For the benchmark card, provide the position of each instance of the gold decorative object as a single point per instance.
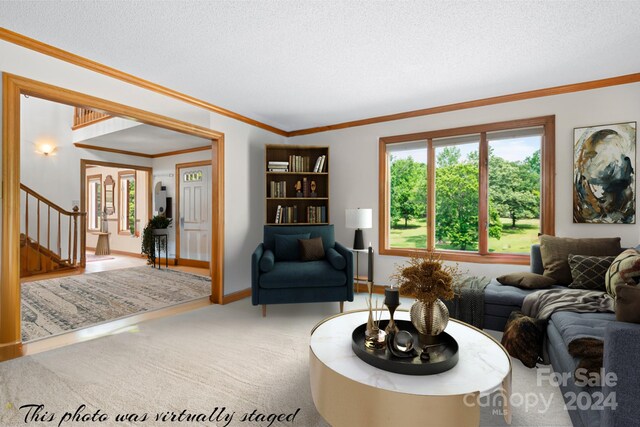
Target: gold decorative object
(429, 319)
(429, 281)
(375, 338)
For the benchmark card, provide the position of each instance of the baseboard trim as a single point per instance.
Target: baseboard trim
(191, 263)
(10, 351)
(236, 296)
(172, 261)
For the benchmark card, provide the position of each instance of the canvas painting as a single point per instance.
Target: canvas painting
(604, 189)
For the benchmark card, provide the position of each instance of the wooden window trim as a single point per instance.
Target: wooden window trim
(97, 177)
(547, 189)
(122, 203)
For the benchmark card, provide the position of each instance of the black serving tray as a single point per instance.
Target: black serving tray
(443, 357)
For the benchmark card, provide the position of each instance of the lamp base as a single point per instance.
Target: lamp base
(358, 240)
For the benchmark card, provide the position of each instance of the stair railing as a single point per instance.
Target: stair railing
(72, 222)
(84, 117)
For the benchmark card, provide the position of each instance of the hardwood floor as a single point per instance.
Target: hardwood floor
(118, 261)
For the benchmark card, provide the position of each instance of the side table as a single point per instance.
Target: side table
(102, 246)
(357, 278)
(159, 237)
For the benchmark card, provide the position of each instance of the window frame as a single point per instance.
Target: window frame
(483, 256)
(91, 203)
(123, 202)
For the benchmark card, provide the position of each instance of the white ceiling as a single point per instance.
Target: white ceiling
(299, 64)
(144, 139)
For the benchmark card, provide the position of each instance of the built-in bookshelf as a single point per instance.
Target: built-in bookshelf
(297, 185)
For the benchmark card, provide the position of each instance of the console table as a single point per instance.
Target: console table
(349, 392)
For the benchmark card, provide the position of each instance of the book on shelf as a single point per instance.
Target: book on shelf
(277, 189)
(286, 214)
(316, 214)
(319, 166)
(299, 163)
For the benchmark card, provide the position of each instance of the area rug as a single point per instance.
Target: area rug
(220, 356)
(54, 306)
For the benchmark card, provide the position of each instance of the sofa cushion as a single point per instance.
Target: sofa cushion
(324, 231)
(527, 280)
(500, 300)
(287, 247)
(588, 272)
(628, 303)
(267, 261)
(555, 253)
(291, 274)
(581, 325)
(311, 249)
(625, 269)
(336, 260)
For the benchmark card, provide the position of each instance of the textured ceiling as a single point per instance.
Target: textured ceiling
(299, 64)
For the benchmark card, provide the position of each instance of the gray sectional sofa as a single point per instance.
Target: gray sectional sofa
(621, 354)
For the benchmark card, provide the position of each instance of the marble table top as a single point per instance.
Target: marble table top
(482, 366)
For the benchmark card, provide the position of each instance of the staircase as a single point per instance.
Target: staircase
(51, 238)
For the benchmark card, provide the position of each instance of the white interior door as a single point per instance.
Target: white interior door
(195, 208)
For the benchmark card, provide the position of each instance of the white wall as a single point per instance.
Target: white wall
(164, 169)
(354, 161)
(244, 147)
(244, 184)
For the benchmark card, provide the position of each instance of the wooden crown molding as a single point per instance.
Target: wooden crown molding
(54, 52)
(537, 93)
(35, 45)
(137, 154)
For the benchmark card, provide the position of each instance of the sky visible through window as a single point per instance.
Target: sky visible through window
(515, 149)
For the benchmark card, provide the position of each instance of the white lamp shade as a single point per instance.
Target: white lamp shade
(359, 218)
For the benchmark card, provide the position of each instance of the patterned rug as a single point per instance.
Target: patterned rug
(54, 306)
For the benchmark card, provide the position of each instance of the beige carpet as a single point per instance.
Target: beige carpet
(218, 356)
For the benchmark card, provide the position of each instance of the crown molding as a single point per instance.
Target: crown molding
(538, 93)
(80, 61)
(54, 52)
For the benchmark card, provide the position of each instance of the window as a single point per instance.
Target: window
(94, 198)
(475, 194)
(127, 202)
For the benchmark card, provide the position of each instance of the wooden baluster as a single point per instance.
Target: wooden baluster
(26, 231)
(38, 236)
(69, 247)
(58, 239)
(75, 235)
(49, 227)
(83, 240)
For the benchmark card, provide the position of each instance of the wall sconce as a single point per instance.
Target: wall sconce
(46, 147)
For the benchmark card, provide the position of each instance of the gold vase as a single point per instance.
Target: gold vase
(429, 319)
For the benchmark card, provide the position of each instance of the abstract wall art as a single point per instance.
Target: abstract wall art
(604, 189)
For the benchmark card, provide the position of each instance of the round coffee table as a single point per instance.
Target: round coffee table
(350, 392)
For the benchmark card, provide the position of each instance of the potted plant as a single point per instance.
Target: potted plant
(429, 281)
(157, 224)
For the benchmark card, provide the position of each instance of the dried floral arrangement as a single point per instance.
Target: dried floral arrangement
(426, 278)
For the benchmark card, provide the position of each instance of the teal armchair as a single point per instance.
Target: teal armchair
(280, 277)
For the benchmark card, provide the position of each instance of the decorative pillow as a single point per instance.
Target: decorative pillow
(311, 249)
(336, 260)
(286, 246)
(267, 261)
(523, 337)
(526, 280)
(588, 272)
(624, 269)
(555, 253)
(628, 303)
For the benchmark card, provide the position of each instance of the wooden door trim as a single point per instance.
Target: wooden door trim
(13, 87)
(177, 212)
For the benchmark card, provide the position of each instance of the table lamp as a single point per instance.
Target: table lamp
(358, 219)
